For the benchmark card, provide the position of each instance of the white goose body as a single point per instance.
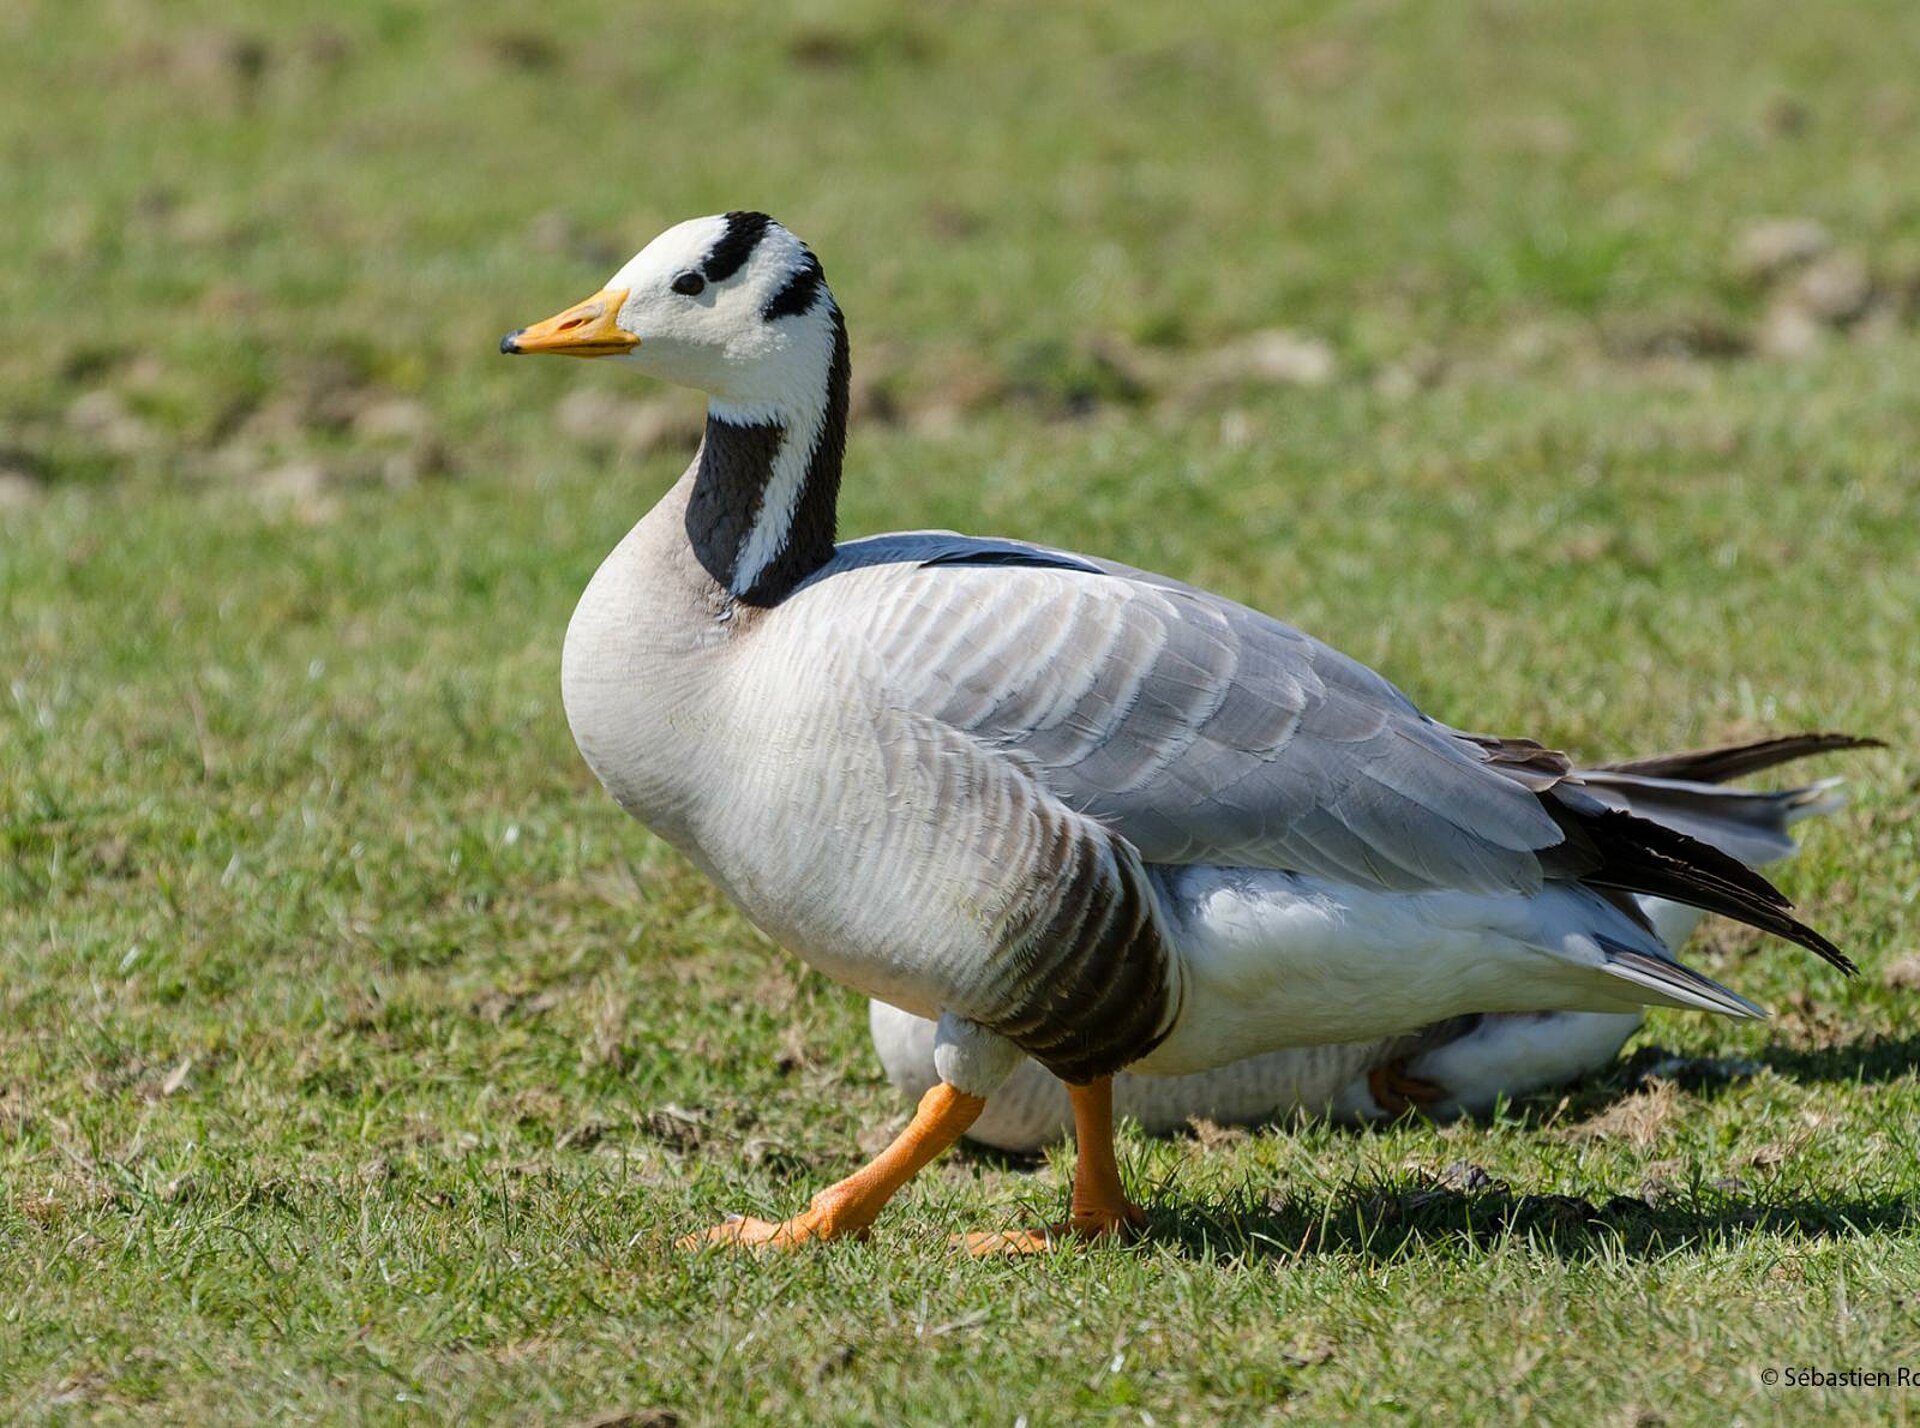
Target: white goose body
(1076, 812)
(807, 759)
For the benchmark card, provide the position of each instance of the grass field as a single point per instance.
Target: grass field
(361, 1062)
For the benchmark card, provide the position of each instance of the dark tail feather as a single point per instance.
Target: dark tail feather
(1731, 761)
(1611, 849)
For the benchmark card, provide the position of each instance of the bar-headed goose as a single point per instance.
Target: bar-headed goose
(1069, 810)
(1462, 1066)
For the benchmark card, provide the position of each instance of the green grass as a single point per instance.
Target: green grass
(362, 1062)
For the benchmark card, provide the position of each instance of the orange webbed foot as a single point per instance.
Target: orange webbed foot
(747, 1232)
(1118, 1221)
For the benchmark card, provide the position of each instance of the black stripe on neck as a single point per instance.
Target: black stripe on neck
(736, 245)
(800, 293)
(734, 468)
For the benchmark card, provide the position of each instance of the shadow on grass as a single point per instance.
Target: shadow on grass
(1870, 1060)
(1395, 1219)
(1390, 1223)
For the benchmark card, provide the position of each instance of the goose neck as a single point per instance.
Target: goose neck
(766, 485)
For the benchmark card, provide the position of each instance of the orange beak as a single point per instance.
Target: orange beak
(587, 329)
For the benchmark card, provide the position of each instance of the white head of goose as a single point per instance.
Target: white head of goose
(737, 307)
(1068, 810)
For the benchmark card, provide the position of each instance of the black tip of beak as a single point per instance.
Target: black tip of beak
(510, 344)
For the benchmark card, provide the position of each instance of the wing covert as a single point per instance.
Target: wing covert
(1196, 728)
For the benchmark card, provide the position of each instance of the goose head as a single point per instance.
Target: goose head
(734, 305)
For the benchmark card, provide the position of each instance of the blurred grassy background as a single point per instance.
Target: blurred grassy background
(361, 1060)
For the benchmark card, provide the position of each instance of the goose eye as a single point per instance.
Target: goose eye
(689, 284)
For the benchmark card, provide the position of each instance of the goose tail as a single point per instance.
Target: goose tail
(1664, 828)
(1684, 791)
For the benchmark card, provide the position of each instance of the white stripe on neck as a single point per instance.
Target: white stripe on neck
(780, 498)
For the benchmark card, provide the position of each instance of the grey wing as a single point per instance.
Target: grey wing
(1200, 730)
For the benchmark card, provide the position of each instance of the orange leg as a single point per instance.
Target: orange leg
(1099, 1207)
(852, 1205)
(1397, 1092)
